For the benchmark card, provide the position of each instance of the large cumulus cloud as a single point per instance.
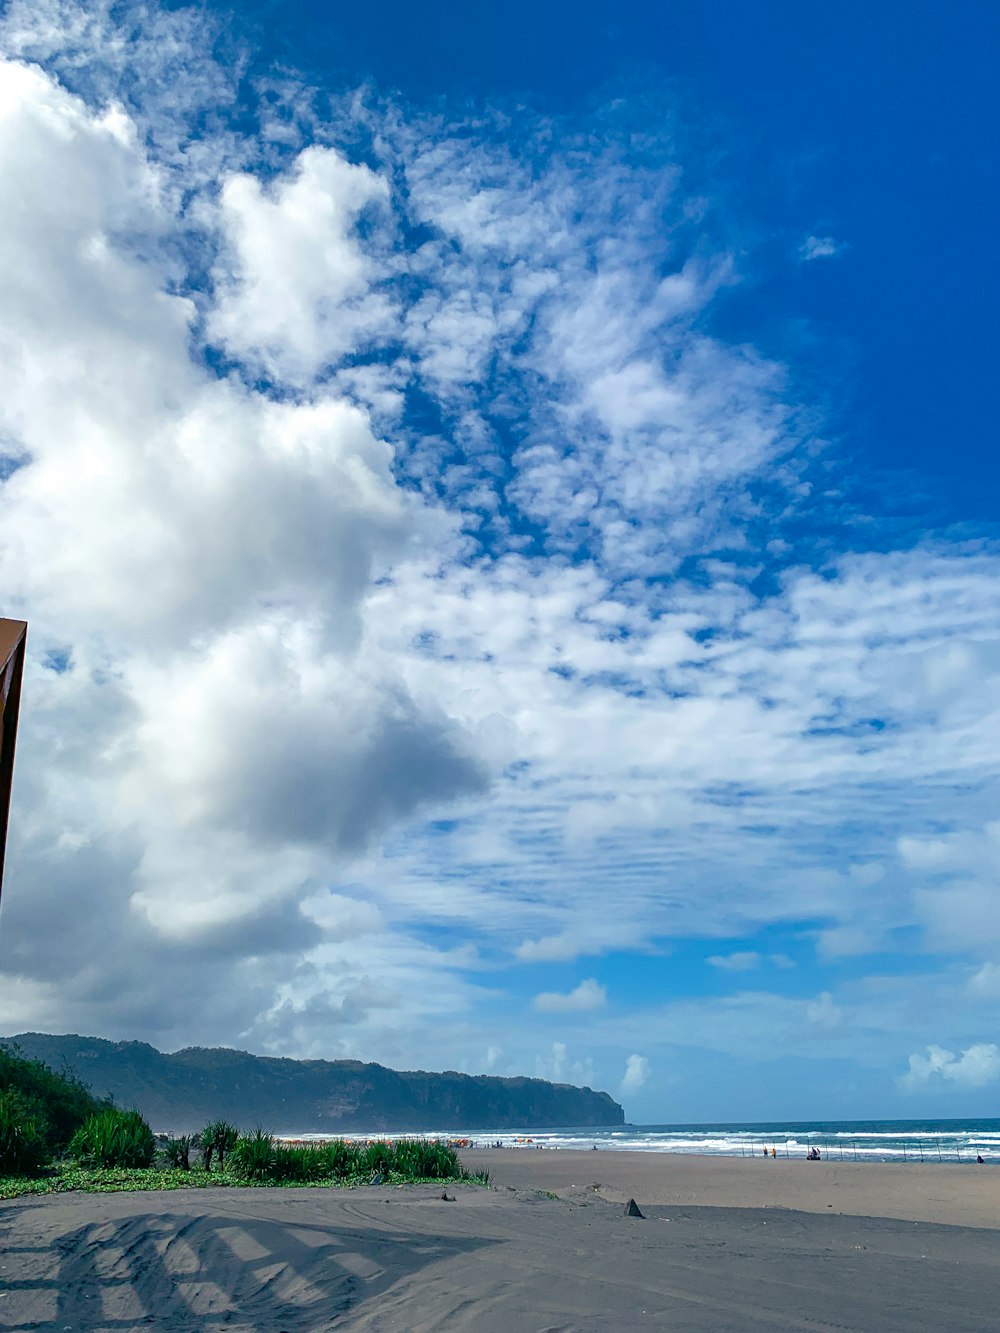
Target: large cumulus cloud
(208, 729)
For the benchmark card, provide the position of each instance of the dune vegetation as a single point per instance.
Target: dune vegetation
(55, 1136)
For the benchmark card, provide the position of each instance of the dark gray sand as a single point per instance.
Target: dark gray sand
(500, 1261)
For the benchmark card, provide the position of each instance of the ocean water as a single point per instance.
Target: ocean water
(848, 1140)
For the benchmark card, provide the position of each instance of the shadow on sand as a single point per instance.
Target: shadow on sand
(181, 1270)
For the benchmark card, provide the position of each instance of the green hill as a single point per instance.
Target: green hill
(180, 1092)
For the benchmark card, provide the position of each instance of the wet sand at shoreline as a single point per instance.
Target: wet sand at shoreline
(512, 1259)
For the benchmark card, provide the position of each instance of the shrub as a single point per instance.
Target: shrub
(59, 1103)
(426, 1161)
(340, 1159)
(23, 1150)
(295, 1164)
(219, 1137)
(253, 1156)
(377, 1158)
(114, 1138)
(178, 1152)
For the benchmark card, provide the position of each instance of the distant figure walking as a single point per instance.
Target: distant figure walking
(774, 1152)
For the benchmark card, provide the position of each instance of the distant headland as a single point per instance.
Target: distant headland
(179, 1092)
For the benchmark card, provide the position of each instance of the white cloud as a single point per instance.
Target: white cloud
(561, 1068)
(743, 960)
(225, 733)
(984, 984)
(588, 995)
(846, 942)
(636, 1074)
(494, 1058)
(820, 247)
(294, 289)
(823, 1013)
(976, 1067)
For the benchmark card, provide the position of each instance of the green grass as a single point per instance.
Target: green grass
(95, 1180)
(257, 1160)
(257, 1157)
(108, 1180)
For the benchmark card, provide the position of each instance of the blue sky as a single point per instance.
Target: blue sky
(872, 122)
(503, 503)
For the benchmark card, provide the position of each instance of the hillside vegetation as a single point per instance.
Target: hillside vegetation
(56, 1136)
(180, 1092)
(40, 1109)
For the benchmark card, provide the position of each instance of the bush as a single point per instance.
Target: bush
(294, 1164)
(178, 1152)
(340, 1159)
(258, 1157)
(219, 1137)
(23, 1150)
(59, 1103)
(377, 1159)
(253, 1157)
(114, 1138)
(426, 1161)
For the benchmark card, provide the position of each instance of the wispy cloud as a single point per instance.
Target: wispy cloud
(588, 995)
(741, 961)
(820, 247)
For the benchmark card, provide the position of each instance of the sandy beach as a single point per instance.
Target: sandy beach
(955, 1195)
(722, 1246)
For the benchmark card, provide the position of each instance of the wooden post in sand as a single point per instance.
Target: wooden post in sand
(12, 638)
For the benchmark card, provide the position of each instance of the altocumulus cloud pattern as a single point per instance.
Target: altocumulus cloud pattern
(430, 608)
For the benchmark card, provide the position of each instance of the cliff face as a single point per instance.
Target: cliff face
(181, 1092)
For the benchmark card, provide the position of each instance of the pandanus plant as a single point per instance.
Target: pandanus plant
(218, 1138)
(179, 1152)
(114, 1138)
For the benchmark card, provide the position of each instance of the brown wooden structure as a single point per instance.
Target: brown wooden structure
(12, 639)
